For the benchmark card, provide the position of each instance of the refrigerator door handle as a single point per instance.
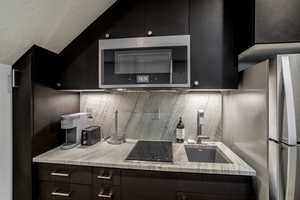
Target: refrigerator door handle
(275, 177)
(291, 174)
(289, 100)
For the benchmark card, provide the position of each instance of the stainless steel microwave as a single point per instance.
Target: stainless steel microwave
(154, 62)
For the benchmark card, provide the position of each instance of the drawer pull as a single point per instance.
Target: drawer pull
(108, 196)
(109, 177)
(59, 174)
(60, 194)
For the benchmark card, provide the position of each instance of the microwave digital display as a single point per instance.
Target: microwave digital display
(142, 79)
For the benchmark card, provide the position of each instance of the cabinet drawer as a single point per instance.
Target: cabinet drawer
(106, 176)
(106, 192)
(65, 173)
(198, 196)
(63, 191)
(218, 185)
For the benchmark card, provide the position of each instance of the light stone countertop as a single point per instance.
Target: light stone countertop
(113, 156)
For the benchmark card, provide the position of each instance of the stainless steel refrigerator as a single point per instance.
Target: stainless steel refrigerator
(284, 127)
(261, 123)
(5, 133)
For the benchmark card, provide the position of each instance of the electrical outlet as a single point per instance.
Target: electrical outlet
(156, 114)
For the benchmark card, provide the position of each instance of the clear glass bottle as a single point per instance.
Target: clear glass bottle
(180, 133)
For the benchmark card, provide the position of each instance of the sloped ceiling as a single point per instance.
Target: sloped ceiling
(51, 24)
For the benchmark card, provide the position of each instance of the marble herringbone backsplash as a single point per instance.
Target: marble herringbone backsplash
(139, 118)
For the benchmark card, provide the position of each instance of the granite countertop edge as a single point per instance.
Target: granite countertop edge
(111, 156)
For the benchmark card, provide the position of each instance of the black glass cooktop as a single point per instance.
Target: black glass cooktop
(155, 151)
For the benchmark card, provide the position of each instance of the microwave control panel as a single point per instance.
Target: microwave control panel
(142, 79)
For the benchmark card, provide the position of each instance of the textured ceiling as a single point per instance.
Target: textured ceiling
(52, 24)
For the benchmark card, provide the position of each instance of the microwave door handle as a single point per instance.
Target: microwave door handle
(289, 100)
(171, 70)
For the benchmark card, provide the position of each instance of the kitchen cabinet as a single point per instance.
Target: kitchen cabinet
(37, 107)
(152, 18)
(127, 184)
(130, 24)
(82, 70)
(168, 17)
(267, 21)
(122, 20)
(209, 22)
(148, 185)
(212, 45)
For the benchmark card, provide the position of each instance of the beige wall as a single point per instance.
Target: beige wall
(52, 24)
(245, 123)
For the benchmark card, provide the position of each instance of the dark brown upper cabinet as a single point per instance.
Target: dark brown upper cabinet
(212, 45)
(266, 22)
(130, 24)
(152, 18)
(167, 17)
(209, 22)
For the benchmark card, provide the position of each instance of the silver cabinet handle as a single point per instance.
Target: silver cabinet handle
(109, 177)
(108, 196)
(61, 194)
(290, 104)
(149, 33)
(14, 85)
(59, 174)
(196, 83)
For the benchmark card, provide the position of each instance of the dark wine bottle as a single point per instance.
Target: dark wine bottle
(180, 131)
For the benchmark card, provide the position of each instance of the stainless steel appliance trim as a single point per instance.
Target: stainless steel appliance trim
(171, 71)
(273, 90)
(146, 85)
(289, 99)
(144, 42)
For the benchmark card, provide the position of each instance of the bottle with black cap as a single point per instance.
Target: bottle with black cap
(180, 131)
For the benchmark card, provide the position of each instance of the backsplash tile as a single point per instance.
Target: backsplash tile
(154, 115)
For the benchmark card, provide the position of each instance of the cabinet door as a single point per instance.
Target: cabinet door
(81, 70)
(147, 185)
(22, 129)
(46, 68)
(129, 24)
(277, 21)
(212, 49)
(167, 17)
(206, 43)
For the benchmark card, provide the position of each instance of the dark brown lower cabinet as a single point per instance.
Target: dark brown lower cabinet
(147, 185)
(199, 196)
(66, 182)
